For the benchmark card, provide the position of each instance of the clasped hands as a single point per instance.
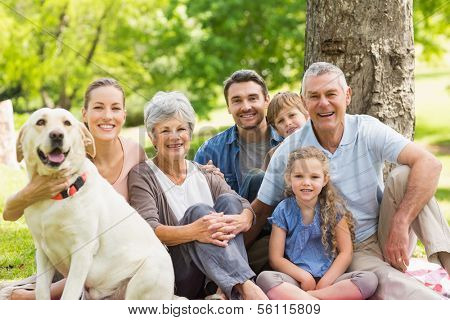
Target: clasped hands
(218, 229)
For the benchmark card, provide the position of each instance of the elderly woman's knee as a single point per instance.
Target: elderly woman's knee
(228, 203)
(196, 212)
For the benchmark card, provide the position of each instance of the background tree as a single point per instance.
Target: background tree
(431, 29)
(51, 49)
(372, 42)
(224, 36)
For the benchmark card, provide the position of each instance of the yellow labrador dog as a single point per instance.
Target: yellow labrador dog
(88, 233)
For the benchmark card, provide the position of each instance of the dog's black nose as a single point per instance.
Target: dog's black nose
(56, 137)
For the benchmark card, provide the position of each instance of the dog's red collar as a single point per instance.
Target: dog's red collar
(74, 187)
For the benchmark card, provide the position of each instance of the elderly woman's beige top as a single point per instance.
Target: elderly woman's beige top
(148, 198)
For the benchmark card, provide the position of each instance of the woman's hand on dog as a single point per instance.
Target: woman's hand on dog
(45, 187)
(39, 188)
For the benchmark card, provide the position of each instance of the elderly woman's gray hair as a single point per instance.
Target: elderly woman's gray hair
(168, 105)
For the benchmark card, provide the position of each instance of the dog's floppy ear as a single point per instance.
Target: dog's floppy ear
(88, 140)
(19, 149)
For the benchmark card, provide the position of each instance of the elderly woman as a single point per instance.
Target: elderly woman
(193, 212)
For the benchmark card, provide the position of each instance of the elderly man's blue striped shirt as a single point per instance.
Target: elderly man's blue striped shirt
(356, 167)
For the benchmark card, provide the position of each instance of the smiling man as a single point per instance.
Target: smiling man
(388, 218)
(240, 150)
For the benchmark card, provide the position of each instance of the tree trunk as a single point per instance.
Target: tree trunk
(98, 33)
(90, 54)
(372, 42)
(46, 99)
(7, 136)
(64, 100)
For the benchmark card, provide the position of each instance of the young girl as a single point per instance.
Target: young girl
(311, 244)
(104, 114)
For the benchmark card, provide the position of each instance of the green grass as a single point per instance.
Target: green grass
(443, 191)
(432, 131)
(17, 248)
(432, 127)
(16, 244)
(11, 181)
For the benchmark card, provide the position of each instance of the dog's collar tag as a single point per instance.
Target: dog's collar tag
(74, 187)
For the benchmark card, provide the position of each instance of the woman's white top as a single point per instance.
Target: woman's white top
(193, 190)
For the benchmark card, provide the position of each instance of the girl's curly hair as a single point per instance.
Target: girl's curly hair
(331, 203)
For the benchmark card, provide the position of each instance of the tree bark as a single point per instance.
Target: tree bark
(372, 42)
(7, 136)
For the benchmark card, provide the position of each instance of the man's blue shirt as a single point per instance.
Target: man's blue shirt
(223, 150)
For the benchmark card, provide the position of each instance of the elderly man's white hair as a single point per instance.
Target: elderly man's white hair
(320, 68)
(168, 105)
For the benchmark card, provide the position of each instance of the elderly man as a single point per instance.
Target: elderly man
(388, 218)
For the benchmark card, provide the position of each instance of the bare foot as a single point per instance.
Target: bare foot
(250, 291)
(221, 294)
(22, 294)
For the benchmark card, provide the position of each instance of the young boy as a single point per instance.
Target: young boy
(286, 114)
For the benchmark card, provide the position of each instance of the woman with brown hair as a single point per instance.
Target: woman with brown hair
(104, 114)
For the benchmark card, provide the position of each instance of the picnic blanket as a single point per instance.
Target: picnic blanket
(431, 275)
